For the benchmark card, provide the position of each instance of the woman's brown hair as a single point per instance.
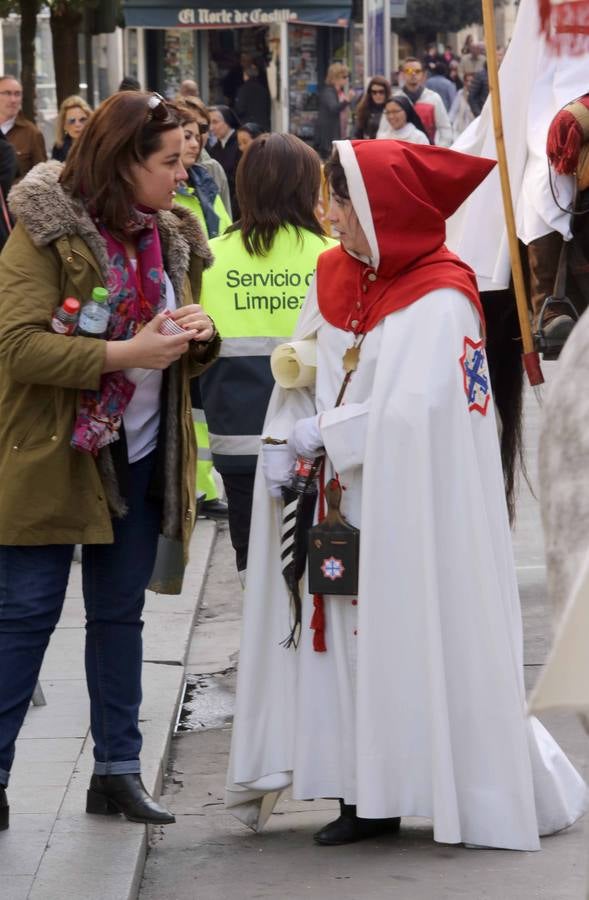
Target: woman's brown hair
(194, 104)
(366, 105)
(278, 180)
(336, 177)
(125, 129)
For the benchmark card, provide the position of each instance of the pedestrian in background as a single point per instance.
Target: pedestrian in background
(333, 108)
(73, 115)
(247, 133)
(454, 74)
(96, 439)
(472, 57)
(200, 194)
(428, 104)
(479, 89)
(461, 115)
(26, 139)
(224, 125)
(370, 108)
(439, 82)
(189, 88)
(254, 291)
(214, 168)
(401, 123)
(129, 83)
(252, 102)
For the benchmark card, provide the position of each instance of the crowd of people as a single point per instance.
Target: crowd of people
(402, 694)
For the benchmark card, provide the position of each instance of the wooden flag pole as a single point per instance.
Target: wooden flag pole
(530, 357)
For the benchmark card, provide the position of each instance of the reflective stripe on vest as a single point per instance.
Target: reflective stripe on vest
(251, 346)
(235, 444)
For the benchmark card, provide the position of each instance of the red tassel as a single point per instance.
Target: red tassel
(318, 624)
(564, 142)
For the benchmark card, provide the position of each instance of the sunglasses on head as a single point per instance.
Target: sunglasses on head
(157, 109)
(73, 121)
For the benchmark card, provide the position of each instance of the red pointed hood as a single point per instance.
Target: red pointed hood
(402, 193)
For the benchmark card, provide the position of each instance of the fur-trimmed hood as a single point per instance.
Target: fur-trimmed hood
(48, 212)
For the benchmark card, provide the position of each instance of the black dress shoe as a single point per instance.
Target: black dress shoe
(214, 509)
(349, 828)
(126, 794)
(4, 809)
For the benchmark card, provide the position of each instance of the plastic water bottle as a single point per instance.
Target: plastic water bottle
(65, 318)
(95, 315)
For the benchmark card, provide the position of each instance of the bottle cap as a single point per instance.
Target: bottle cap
(71, 306)
(100, 294)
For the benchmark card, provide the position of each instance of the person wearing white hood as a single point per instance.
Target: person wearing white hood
(406, 698)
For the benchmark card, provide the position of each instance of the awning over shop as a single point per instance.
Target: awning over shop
(246, 13)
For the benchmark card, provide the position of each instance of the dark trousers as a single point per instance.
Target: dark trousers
(33, 582)
(240, 498)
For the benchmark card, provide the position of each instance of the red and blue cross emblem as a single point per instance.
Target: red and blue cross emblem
(475, 374)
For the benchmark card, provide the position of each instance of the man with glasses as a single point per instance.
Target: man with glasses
(26, 139)
(429, 106)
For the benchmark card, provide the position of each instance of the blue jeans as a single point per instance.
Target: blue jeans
(33, 582)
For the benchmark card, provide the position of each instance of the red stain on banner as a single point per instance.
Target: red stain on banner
(565, 24)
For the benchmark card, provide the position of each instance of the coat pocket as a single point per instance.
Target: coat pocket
(38, 427)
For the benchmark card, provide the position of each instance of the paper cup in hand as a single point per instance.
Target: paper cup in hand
(170, 328)
(294, 365)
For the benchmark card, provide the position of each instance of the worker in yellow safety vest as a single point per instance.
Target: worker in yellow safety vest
(201, 196)
(254, 291)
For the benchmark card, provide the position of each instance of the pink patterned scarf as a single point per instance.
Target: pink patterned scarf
(135, 297)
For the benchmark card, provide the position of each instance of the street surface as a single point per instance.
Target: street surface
(209, 855)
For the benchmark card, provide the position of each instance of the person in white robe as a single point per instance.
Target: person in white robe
(410, 702)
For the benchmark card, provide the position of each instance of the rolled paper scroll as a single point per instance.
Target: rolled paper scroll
(294, 365)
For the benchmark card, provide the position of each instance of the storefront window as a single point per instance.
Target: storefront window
(179, 59)
(303, 73)
(131, 52)
(311, 49)
(11, 47)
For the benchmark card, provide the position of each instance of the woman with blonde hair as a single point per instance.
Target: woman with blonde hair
(73, 114)
(334, 101)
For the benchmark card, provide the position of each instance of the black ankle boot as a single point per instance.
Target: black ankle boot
(4, 808)
(349, 828)
(126, 794)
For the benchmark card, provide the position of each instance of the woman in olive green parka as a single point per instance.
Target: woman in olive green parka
(96, 439)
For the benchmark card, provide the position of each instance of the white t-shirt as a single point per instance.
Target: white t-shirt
(142, 416)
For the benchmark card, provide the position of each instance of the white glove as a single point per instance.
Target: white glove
(305, 439)
(278, 466)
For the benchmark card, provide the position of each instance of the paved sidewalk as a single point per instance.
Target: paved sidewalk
(209, 855)
(53, 850)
